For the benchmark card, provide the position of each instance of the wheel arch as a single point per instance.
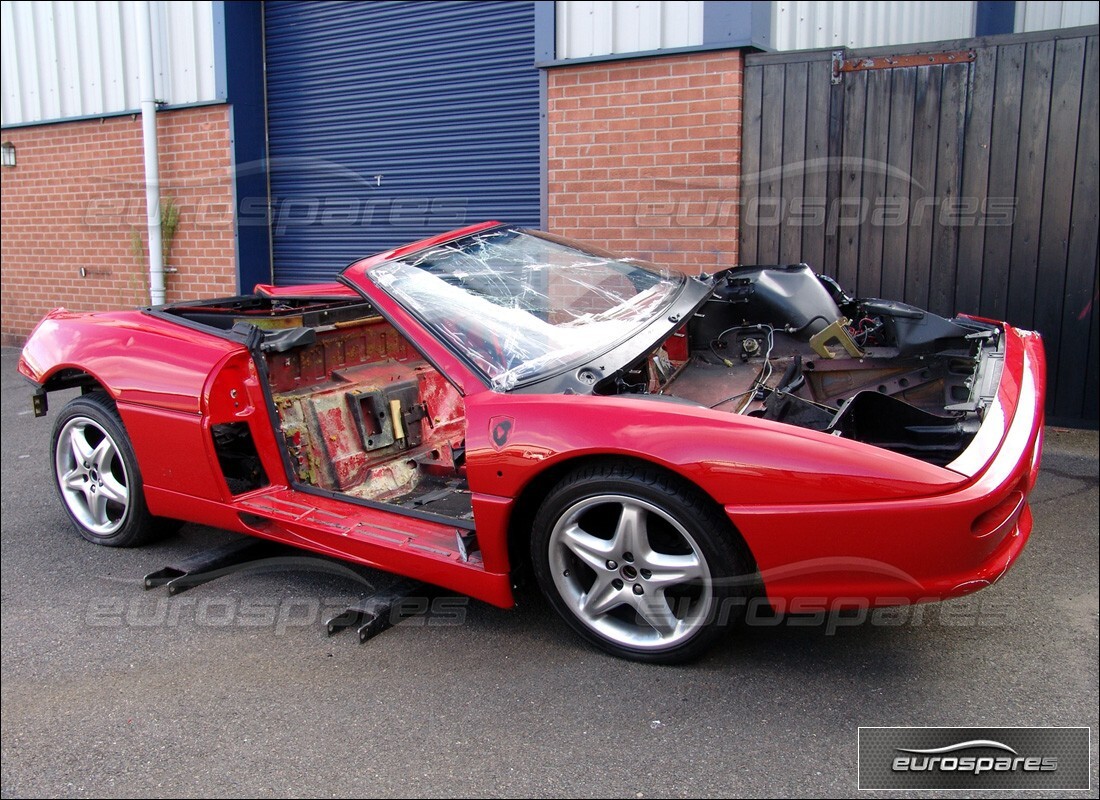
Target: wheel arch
(69, 377)
(530, 497)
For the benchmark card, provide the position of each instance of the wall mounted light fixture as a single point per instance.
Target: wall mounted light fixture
(8, 151)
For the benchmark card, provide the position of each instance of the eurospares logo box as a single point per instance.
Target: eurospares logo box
(974, 758)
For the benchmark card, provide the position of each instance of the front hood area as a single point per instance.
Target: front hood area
(735, 459)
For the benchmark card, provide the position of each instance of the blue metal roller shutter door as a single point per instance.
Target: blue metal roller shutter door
(389, 122)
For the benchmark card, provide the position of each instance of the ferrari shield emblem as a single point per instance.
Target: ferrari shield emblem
(500, 429)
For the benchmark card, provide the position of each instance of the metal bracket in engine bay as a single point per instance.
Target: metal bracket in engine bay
(835, 332)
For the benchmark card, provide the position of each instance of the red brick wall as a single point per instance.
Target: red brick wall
(78, 191)
(644, 156)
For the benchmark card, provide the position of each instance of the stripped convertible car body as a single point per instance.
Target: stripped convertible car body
(655, 447)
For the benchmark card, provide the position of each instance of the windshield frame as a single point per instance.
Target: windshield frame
(679, 283)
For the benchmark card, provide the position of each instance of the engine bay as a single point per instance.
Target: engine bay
(784, 344)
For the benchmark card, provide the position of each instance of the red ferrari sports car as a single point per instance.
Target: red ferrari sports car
(653, 447)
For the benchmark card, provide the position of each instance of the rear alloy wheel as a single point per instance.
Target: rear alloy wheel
(97, 474)
(636, 562)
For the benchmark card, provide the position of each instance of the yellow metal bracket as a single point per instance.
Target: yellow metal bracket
(836, 332)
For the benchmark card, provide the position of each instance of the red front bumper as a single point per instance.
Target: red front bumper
(922, 549)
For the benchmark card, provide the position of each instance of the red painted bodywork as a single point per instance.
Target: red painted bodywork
(828, 520)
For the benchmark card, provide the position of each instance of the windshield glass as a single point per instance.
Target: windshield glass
(521, 305)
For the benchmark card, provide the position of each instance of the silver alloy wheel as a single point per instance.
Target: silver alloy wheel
(633, 588)
(92, 476)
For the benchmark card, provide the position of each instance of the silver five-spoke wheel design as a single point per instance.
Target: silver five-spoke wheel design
(92, 476)
(630, 572)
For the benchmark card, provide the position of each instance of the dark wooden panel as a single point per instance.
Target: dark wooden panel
(972, 187)
(1092, 367)
(976, 43)
(794, 155)
(1030, 166)
(817, 153)
(1076, 365)
(895, 226)
(771, 165)
(922, 200)
(750, 162)
(975, 179)
(945, 223)
(1004, 144)
(876, 146)
(833, 176)
(1057, 202)
(849, 206)
(793, 57)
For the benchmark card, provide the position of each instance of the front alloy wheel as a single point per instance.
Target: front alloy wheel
(632, 591)
(637, 562)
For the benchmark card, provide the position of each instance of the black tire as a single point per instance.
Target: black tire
(97, 477)
(667, 602)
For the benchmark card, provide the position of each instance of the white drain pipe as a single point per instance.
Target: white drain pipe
(152, 159)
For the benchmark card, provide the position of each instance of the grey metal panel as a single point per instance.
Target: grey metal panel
(989, 200)
(1041, 15)
(587, 28)
(388, 122)
(72, 60)
(798, 24)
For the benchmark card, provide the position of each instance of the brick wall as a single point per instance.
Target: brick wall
(76, 196)
(644, 156)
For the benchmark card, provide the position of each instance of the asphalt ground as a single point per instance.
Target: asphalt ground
(234, 689)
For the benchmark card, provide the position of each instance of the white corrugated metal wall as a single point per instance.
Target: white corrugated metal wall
(585, 28)
(806, 25)
(1041, 16)
(67, 59)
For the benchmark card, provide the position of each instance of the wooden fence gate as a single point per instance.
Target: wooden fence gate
(957, 176)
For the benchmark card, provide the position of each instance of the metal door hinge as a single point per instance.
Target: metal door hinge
(864, 63)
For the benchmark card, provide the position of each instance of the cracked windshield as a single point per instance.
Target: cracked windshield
(521, 305)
